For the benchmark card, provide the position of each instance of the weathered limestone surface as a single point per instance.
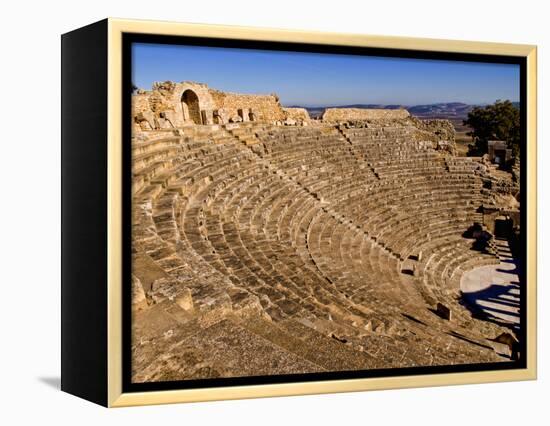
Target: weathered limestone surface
(262, 248)
(170, 105)
(297, 114)
(345, 114)
(440, 132)
(265, 107)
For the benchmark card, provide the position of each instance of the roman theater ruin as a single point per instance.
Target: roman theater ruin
(267, 242)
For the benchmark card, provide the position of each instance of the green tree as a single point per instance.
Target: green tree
(499, 121)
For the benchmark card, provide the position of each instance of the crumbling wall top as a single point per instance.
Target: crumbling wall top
(345, 114)
(296, 114)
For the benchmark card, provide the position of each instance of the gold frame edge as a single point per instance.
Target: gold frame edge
(116, 27)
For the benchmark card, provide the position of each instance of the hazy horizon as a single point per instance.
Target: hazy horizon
(319, 79)
(396, 103)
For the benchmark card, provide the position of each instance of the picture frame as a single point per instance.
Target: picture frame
(97, 202)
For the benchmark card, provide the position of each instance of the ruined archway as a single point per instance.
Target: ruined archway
(190, 106)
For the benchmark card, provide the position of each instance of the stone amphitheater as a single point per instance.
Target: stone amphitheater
(265, 242)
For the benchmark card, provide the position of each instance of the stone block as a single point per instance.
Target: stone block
(185, 300)
(148, 117)
(443, 311)
(220, 116)
(139, 301)
(169, 116)
(290, 122)
(207, 116)
(164, 123)
(244, 114)
(511, 342)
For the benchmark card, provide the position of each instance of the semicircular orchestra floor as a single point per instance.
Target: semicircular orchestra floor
(494, 290)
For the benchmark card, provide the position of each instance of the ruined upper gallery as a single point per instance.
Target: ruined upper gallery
(170, 105)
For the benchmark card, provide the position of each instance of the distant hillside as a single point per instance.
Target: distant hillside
(443, 110)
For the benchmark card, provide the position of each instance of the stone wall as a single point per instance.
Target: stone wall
(140, 102)
(296, 114)
(345, 114)
(144, 118)
(441, 129)
(441, 133)
(262, 107)
(172, 105)
(162, 107)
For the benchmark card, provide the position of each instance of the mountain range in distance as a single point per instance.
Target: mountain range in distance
(448, 110)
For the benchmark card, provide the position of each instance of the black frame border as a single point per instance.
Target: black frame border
(84, 193)
(129, 38)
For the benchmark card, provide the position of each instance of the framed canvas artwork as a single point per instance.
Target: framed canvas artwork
(254, 212)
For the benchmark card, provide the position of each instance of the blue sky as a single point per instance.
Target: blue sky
(313, 79)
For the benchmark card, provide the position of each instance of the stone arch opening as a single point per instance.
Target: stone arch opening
(190, 106)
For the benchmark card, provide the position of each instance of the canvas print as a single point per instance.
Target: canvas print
(299, 213)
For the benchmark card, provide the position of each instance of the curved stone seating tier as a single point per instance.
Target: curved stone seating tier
(310, 229)
(204, 245)
(443, 257)
(251, 243)
(170, 274)
(145, 153)
(325, 237)
(426, 211)
(160, 163)
(443, 273)
(377, 134)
